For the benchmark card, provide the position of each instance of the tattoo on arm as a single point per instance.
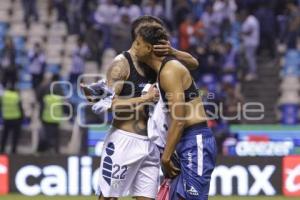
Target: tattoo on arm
(117, 73)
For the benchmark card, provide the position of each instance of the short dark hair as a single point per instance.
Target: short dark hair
(142, 20)
(153, 34)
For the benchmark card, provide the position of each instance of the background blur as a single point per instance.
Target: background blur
(249, 58)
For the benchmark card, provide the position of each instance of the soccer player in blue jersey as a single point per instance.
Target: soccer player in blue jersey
(187, 133)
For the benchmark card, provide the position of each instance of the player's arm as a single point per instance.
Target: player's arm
(165, 48)
(171, 83)
(116, 76)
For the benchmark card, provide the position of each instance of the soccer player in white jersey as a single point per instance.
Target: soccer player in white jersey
(130, 161)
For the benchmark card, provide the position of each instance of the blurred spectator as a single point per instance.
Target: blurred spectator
(250, 39)
(61, 7)
(152, 7)
(199, 33)
(107, 12)
(181, 10)
(8, 65)
(293, 25)
(266, 18)
(225, 10)
(95, 42)
(186, 31)
(198, 7)
(12, 112)
(51, 117)
(74, 16)
(232, 103)
(212, 58)
(120, 34)
(132, 10)
(37, 64)
(30, 10)
(211, 23)
(78, 60)
(230, 59)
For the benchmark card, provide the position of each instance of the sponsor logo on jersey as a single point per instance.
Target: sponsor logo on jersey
(192, 191)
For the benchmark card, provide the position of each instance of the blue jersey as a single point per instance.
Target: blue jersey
(197, 158)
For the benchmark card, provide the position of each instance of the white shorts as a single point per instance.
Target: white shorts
(129, 166)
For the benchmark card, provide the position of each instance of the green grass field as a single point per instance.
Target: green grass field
(20, 197)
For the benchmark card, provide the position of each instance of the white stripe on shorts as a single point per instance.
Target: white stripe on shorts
(199, 155)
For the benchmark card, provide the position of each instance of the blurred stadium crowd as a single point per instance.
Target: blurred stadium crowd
(42, 41)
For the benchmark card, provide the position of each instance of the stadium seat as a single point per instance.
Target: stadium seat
(291, 63)
(1, 43)
(58, 29)
(42, 4)
(69, 48)
(229, 79)
(53, 68)
(33, 39)
(290, 70)
(22, 59)
(291, 58)
(18, 15)
(289, 97)
(55, 40)
(281, 48)
(54, 47)
(210, 81)
(4, 16)
(290, 83)
(37, 29)
(18, 29)
(3, 29)
(5, 5)
(53, 57)
(107, 58)
(71, 39)
(19, 43)
(43, 16)
(289, 114)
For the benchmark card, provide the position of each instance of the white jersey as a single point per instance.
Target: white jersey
(129, 166)
(158, 123)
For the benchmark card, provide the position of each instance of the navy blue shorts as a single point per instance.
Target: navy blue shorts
(197, 152)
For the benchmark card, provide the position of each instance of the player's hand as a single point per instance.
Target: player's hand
(164, 48)
(169, 168)
(152, 95)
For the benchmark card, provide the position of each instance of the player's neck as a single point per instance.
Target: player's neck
(154, 62)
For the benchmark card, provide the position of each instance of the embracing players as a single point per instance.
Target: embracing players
(130, 161)
(187, 133)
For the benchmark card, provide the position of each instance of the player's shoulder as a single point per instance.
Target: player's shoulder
(120, 62)
(173, 67)
(119, 58)
(119, 67)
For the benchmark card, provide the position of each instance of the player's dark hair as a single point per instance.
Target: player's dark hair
(143, 20)
(153, 34)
